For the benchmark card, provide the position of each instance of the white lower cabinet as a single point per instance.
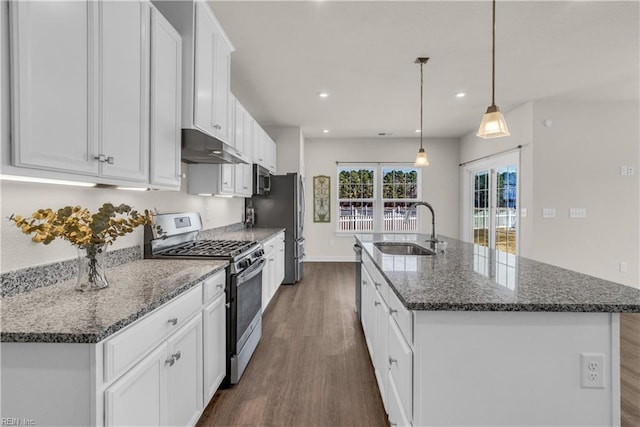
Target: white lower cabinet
(273, 272)
(388, 327)
(184, 374)
(214, 346)
(138, 398)
(165, 388)
(161, 370)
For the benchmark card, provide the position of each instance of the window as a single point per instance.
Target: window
(376, 198)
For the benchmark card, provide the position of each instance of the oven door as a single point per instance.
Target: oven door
(248, 302)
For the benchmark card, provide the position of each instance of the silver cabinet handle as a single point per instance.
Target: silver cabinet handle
(391, 311)
(392, 361)
(173, 321)
(217, 127)
(170, 361)
(104, 159)
(177, 355)
(364, 282)
(227, 304)
(220, 286)
(376, 303)
(377, 285)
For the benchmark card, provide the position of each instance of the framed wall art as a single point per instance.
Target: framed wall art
(321, 198)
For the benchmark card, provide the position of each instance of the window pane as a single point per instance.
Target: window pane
(355, 183)
(355, 216)
(395, 214)
(399, 183)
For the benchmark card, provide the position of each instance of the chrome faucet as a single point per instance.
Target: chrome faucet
(434, 237)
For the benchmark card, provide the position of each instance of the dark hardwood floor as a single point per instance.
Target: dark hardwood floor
(312, 367)
(630, 369)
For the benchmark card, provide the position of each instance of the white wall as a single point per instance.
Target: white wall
(440, 185)
(24, 198)
(290, 148)
(575, 163)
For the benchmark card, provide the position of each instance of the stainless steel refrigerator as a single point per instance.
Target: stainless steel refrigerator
(283, 207)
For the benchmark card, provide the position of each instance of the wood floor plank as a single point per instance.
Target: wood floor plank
(630, 369)
(311, 367)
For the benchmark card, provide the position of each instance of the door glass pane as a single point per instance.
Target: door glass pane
(481, 208)
(505, 232)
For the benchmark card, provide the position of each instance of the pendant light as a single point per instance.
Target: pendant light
(421, 157)
(493, 124)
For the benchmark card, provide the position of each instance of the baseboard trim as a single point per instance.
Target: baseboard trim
(330, 259)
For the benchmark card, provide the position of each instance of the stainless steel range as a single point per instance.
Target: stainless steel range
(176, 236)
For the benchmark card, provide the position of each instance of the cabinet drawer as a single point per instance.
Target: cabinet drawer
(214, 285)
(401, 315)
(379, 282)
(401, 366)
(132, 343)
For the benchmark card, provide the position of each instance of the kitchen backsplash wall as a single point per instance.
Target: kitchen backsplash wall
(24, 198)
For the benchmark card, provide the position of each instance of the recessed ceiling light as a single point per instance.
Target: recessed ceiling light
(460, 95)
(325, 130)
(323, 94)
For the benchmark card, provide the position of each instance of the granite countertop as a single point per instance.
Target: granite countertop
(58, 313)
(474, 278)
(255, 234)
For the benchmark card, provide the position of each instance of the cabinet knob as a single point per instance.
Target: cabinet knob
(391, 311)
(170, 361)
(110, 160)
(217, 127)
(173, 321)
(392, 361)
(177, 355)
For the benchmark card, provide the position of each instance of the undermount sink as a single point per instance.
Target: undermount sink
(402, 248)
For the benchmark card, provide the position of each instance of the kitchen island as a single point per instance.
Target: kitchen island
(474, 336)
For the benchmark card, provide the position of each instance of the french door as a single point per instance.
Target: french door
(491, 203)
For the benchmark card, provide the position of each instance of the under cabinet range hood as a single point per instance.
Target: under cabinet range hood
(199, 147)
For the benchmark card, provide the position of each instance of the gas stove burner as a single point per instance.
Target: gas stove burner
(212, 248)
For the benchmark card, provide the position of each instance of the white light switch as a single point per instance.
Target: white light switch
(548, 212)
(523, 212)
(624, 268)
(577, 213)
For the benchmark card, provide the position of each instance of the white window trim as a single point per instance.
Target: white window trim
(377, 200)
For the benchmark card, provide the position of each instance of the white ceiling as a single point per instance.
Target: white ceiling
(363, 54)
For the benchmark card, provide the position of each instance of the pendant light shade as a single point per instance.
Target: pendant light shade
(493, 124)
(421, 157)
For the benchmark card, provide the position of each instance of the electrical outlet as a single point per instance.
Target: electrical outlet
(630, 170)
(592, 370)
(624, 171)
(624, 267)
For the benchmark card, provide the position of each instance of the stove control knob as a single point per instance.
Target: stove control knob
(245, 263)
(259, 253)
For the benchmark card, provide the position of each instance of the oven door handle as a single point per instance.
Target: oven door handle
(251, 272)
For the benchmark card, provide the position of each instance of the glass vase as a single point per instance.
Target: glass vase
(91, 268)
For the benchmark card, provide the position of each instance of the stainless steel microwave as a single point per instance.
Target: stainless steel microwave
(261, 180)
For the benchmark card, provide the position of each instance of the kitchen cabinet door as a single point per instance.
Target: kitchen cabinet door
(139, 397)
(212, 62)
(380, 355)
(368, 309)
(215, 366)
(124, 89)
(243, 176)
(166, 97)
(53, 75)
(279, 261)
(228, 175)
(271, 155)
(184, 374)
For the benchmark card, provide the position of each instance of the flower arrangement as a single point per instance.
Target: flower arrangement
(90, 232)
(79, 226)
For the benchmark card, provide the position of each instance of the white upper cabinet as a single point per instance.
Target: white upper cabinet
(82, 91)
(166, 72)
(123, 125)
(53, 76)
(264, 148)
(206, 63)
